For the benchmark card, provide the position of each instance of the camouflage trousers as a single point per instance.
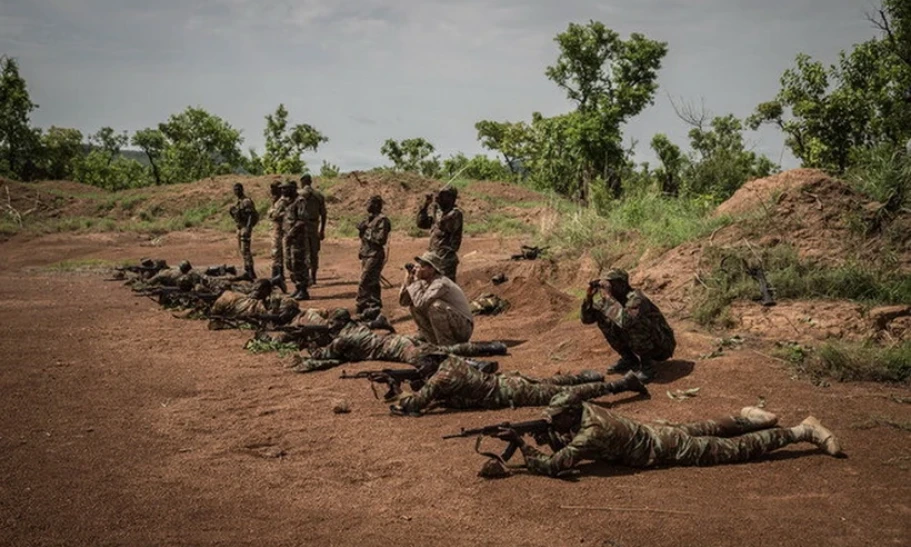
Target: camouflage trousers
(657, 348)
(441, 325)
(450, 263)
(516, 390)
(369, 289)
(313, 245)
(297, 250)
(278, 250)
(243, 245)
(727, 440)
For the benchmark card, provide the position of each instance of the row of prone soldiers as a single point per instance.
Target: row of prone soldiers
(451, 376)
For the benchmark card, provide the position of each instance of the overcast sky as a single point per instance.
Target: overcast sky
(362, 71)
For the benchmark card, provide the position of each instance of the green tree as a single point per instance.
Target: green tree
(199, 145)
(62, 150)
(105, 167)
(19, 143)
(512, 140)
(479, 167)
(672, 163)
(610, 80)
(413, 155)
(328, 170)
(153, 143)
(833, 116)
(284, 144)
(721, 163)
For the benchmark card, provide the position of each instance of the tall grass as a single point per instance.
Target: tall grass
(843, 361)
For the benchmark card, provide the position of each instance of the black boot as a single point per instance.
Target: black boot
(301, 294)
(646, 370)
(278, 279)
(625, 364)
(474, 349)
(629, 382)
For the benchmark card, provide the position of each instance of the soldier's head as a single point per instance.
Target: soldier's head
(289, 189)
(564, 411)
(262, 288)
(185, 284)
(184, 266)
(430, 362)
(616, 281)
(239, 190)
(429, 265)
(340, 317)
(375, 204)
(275, 190)
(306, 179)
(161, 264)
(446, 198)
(147, 262)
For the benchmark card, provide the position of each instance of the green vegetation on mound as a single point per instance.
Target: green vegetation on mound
(851, 361)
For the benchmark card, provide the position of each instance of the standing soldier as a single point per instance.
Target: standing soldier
(296, 243)
(314, 214)
(277, 217)
(444, 220)
(245, 218)
(374, 232)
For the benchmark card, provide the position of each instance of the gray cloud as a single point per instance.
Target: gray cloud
(363, 71)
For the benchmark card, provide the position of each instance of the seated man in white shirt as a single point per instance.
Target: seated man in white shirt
(438, 306)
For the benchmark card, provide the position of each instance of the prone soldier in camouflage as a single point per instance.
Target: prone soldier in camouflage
(587, 432)
(632, 325)
(244, 214)
(444, 220)
(183, 274)
(456, 384)
(357, 341)
(314, 214)
(374, 233)
(276, 216)
(257, 304)
(297, 243)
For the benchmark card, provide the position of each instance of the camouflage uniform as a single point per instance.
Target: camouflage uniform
(459, 385)
(607, 436)
(374, 232)
(242, 212)
(488, 304)
(297, 244)
(171, 277)
(312, 211)
(237, 305)
(277, 217)
(440, 310)
(445, 235)
(356, 342)
(638, 327)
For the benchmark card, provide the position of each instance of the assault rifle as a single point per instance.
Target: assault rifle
(304, 335)
(174, 295)
(392, 377)
(766, 292)
(529, 253)
(531, 427)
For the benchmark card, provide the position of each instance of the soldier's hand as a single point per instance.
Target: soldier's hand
(593, 287)
(509, 434)
(428, 199)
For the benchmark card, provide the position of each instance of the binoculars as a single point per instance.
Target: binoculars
(594, 284)
(409, 266)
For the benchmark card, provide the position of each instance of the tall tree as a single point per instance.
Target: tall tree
(62, 149)
(153, 143)
(285, 145)
(199, 145)
(19, 143)
(415, 155)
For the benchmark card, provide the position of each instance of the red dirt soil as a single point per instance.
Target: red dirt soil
(121, 425)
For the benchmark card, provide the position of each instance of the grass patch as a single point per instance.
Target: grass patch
(498, 223)
(664, 222)
(846, 362)
(345, 226)
(8, 226)
(792, 278)
(257, 346)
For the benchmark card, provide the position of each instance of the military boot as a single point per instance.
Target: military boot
(811, 430)
(380, 323)
(646, 370)
(625, 364)
(278, 279)
(629, 382)
(301, 294)
(758, 417)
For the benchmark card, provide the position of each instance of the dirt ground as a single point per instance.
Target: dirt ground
(122, 425)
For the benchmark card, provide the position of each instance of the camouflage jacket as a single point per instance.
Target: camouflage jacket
(374, 233)
(242, 212)
(237, 305)
(445, 229)
(355, 342)
(311, 206)
(277, 213)
(640, 318)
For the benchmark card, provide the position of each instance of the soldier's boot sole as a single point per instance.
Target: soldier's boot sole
(812, 430)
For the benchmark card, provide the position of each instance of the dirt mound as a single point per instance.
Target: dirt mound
(821, 218)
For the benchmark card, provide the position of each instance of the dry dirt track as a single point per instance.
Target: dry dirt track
(120, 425)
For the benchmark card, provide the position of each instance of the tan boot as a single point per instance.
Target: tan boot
(811, 430)
(759, 417)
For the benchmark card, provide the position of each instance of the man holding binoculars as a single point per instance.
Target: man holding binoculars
(632, 325)
(439, 307)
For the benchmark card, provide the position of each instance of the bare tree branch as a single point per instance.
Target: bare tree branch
(691, 114)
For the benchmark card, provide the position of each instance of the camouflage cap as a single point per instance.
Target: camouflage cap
(306, 178)
(340, 314)
(184, 266)
(433, 259)
(615, 274)
(561, 402)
